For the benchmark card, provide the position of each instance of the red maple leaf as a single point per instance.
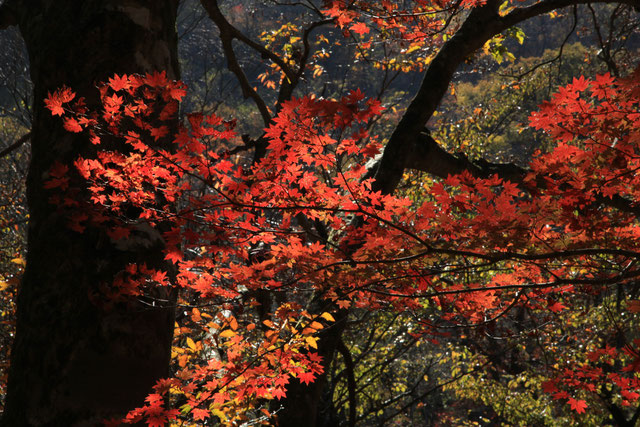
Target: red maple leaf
(118, 83)
(556, 307)
(306, 377)
(154, 399)
(173, 255)
(54, 104)
(580, 84)
(160, 132)
(359, 28)
(633, 306)
(577, 405)
(112, 103)
(159, 277)
(156, 79)
(58, 176)
(199, 414)
(278, 393)
(176, 92)
(344, 303)
(72, 125)
(55, 101)
(157, 421)
(282, 380)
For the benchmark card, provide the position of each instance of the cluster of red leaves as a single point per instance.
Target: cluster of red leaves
(597, 126)
(600, 371)
(141, 171)
(409, 21)
(233, 229)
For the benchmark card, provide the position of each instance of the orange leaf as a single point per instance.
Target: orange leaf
(227, 333)
(360, 28)
(233, 323)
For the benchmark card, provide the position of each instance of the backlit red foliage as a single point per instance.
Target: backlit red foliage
(567, 228)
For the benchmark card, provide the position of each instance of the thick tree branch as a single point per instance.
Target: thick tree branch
(481, 24)
(430, 158)
(404, 145)
(635, 417)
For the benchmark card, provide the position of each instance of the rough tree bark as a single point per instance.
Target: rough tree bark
(77, 359)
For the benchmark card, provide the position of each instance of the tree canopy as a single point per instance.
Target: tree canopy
(367, 213)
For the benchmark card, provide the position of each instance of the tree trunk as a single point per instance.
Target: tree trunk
(77, 358)
(304, 405)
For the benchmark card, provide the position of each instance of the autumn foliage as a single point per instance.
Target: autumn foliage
(469, 252)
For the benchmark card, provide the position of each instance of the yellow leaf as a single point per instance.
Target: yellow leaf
(218, 413)
(312, 342)
(328, 317)
(412, 49)
(191, 344)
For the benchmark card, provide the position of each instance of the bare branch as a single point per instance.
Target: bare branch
(287, 88)
(266, 53)
(521, 14)
(227, 34)
(351, 381)
(24, 138)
